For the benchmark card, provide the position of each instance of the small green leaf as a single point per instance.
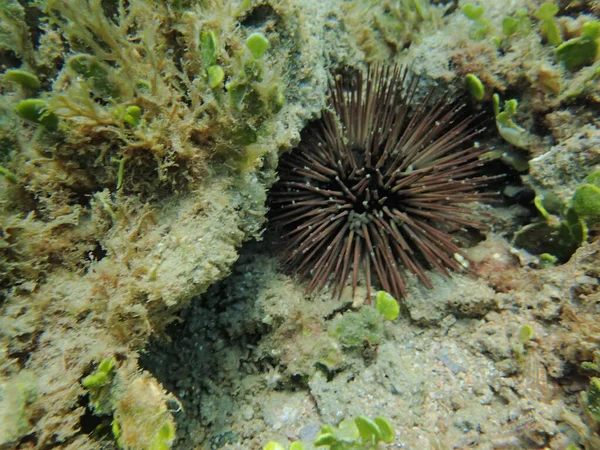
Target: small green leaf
(208, 50)
(547, 260)
(387, 432)
(324, 439)
(257, 44)
(387, 305)
(23, 78)
(547, 11)
(538, 201)
(591, 29)
(244, 135)
(36, 110)
(95, 380)
(237, 91)
(510, 25)
(272, 445)
(472, 11)
(511, 107)
(101, 376)
(551, 32)
(368, 429)
(88, 66)
(215, 76)
(525, 334)
(163, 437)
(577, 52)
(480, 29)
(8, 175)
(133, 114)
(496, 104)
(296, 446)
(143, 85)
(116, 429)
(475, 86)
(130, 115)
(276, 99)
(106, 365)
(347, 431)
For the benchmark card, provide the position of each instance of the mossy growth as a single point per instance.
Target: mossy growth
(355, 328)
(16, 395)
(592, 398)
(385, 28)
(171, 100)
(141, 418)
(586, 202)
(592, 366)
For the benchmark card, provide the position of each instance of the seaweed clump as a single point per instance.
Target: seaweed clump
(138, 139)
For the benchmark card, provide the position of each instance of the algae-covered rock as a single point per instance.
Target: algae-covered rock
(133, 180)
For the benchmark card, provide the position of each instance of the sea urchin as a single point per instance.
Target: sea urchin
(378, 183)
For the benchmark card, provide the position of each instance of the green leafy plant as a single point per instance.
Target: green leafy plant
(548, 26)
(518, 348)
(208, 48)
(99, 75)
(580, 51)
(98, 385)
(508, 129)
(387, 305)
(37, 110)
(562, 228)
(8, 175)
(361, 433)
(519, 23)
(257, 44)
(23, 78)
(131, 115)
(481, 26)
(102, 376)
(593, 366)
(272, 445)
(216, 75)
(475, 86)
(244, 93)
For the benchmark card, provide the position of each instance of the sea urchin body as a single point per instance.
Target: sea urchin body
(378, 184)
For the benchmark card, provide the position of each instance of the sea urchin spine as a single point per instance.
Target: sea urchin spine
(378, 183)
